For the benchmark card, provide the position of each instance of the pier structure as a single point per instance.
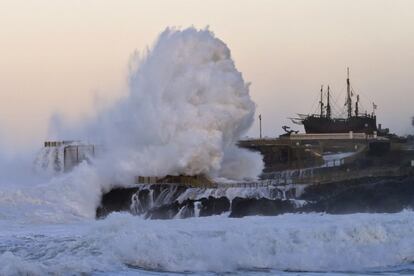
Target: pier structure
(74, 152)
(294, 159)
(298, 151)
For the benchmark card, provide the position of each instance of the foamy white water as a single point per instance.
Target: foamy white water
(186, 108)
(312, 242)
(47, 226)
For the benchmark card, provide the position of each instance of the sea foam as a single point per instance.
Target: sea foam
(298, 242)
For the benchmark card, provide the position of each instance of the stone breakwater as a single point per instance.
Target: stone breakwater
(365, 195)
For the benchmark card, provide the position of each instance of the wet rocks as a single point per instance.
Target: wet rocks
(368, 195)
(363, 196)
(117, 200)
(207, 207)
(214, 206)
(242, 207)
(167, 211)
(187, 209)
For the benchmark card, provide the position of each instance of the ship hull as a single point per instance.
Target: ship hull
(315, 124)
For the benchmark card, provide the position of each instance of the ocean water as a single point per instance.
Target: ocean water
(186, 107)
(290, 244)
(47, 227)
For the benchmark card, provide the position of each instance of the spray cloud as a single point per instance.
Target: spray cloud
(187, 106)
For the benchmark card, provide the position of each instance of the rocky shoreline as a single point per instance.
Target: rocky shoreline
(364, 195)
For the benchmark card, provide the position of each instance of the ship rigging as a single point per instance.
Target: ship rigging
(324, 122)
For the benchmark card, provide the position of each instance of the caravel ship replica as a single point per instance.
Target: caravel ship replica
(326, 123)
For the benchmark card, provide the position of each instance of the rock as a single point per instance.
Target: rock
(166, 193)
(241, 207)
(117, 200)
(369, 196)
(187, 209)
(167, 211)
(141, 201)
(214, 206)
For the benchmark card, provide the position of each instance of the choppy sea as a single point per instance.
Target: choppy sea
(49, 228)
(290, 244)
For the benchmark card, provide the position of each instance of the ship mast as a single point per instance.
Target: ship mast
(328, 104)
(349, 99)
(321, 101)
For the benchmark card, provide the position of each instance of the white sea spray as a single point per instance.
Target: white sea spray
(298, 242)
(186, 109)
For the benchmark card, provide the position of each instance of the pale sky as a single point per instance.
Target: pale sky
(58, 56)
